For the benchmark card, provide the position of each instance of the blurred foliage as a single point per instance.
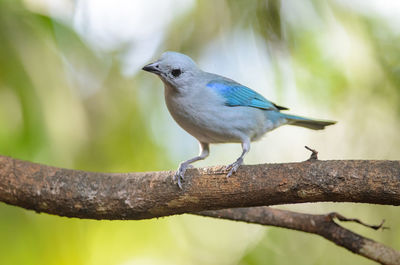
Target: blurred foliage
(65, 102)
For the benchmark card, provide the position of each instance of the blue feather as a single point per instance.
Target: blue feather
(236, 94)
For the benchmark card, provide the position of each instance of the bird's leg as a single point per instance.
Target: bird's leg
(180, 173)
(235, 165)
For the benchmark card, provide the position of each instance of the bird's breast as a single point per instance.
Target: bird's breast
(191, 113)
(208, 119)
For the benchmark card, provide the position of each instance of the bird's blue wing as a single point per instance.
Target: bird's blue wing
(236, 94)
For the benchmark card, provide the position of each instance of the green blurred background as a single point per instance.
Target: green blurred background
(72, 95)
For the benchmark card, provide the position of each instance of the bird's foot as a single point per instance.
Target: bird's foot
(234, 167)
(180, 173)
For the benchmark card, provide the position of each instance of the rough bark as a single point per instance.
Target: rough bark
(144, 195)
(322, 225)
(94, 195)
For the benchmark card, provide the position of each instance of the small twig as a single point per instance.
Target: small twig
(320, 224)
(314, 154)
(345, 219)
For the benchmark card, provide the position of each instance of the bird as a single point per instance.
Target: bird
(215, 109)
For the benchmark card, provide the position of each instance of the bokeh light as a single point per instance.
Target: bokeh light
(72, 95)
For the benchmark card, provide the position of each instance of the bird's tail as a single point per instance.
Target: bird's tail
(306, 122)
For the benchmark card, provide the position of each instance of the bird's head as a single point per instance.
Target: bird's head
(174, 69)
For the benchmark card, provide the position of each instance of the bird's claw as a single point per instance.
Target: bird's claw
(233, 167)
(180, 174)
(178, 177)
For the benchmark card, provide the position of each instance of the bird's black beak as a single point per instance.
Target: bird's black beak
(152, 68)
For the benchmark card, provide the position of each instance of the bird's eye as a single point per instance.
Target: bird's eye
(176, 72)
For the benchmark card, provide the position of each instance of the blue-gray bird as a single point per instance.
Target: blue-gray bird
(215, 109)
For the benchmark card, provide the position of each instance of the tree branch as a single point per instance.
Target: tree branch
(144, 195)
(322, 225)
(93, 195)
